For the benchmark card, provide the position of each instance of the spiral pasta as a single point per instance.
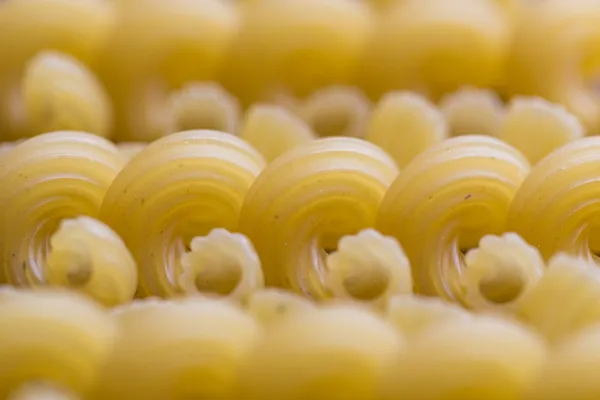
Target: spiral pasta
(273, 130)
(51, 182)
(556, 208)
(536, 127)
(337, 111)
(472, 111)
(52, 336)
(155, 47)
(337, 352)
(468, 359)
(178, 349)
(406, 124)
(306, 200)
(270, 306)
(445, 201)
(180, 187)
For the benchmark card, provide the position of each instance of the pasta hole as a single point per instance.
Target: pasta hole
(505, 286)
(367, 283)
(332, 122)
(80, 276)
(220, 280)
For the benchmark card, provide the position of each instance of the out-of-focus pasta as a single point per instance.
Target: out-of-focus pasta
(129, 149)
(270, 306)
(41, 391)
(306, 200)
(179, 188)
(471, 111)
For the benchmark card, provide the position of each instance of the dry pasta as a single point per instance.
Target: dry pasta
(271, 305)
(406, 124)
(54, 185)
(177, 349)
(306, 200)
(41, 391)
(178, 188)
(77, 334)
(445, 201)
(129, 149)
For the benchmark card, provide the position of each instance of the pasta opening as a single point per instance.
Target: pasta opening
(77, 266)
(332, 122)
(502, 286)
(221, 279)
(367, 284)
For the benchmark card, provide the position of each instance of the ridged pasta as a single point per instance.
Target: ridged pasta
(473, 111)
(445, 201)
(178, 349)
(331, 352)
(556, 207)
(53, 336)
(203, 106)
(270, 306)
(536, 127)
(437, 46)
(565, 299)
(337, 111)
(306, 200)
(180, 187)
(51, 183)
(405, 125)
(158, 46)
(468, 359)
(273, 130)
(74, 27)
(318, 44)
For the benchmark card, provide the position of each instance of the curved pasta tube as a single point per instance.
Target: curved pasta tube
(437, 47)
(564, 300)
(203, 106)
(334, 351)
(469, 359)
(536, 127)
(179, 187)
(337, 111)
(50, 182)
(556, 207)
(78, 336)
(270, 306)
(556, 56)
(129, 149)
(446, 200)
(568, 372)
(414, 315)
(76, 28)
(178, 349)
(158, 46)
(501, 273)
(405, 125)
(473, 111)
(273, 130)
(5, 147)
(306, 200)
(318, 44)
(41, 391)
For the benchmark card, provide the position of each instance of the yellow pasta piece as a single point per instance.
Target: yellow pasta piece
(271, 305)
(569, 372)
(368, 267)
(60, 93)
(337, 111)
(473, 111)
(5, 147)
(318, 43)
(501, 272)
(536, 127)
(556, 55)
(221, 264)
(332, 352)
(445, 200)
(468, 359)
(129, 149)
(158, 46)
(413, 315)
(306, 200)
(556, 208)
(53, 336)
(178, 349)
(273, 130)
(406, 124)
(41, 391)
(564, 301)
(180, 187)
(74, 27)
(51, 183)
(437, 46)
(203, 106)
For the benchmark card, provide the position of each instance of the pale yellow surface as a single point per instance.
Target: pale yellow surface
(129, 149)
(308, 199)
(445, 200)
(177, 188)
(270, 306)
